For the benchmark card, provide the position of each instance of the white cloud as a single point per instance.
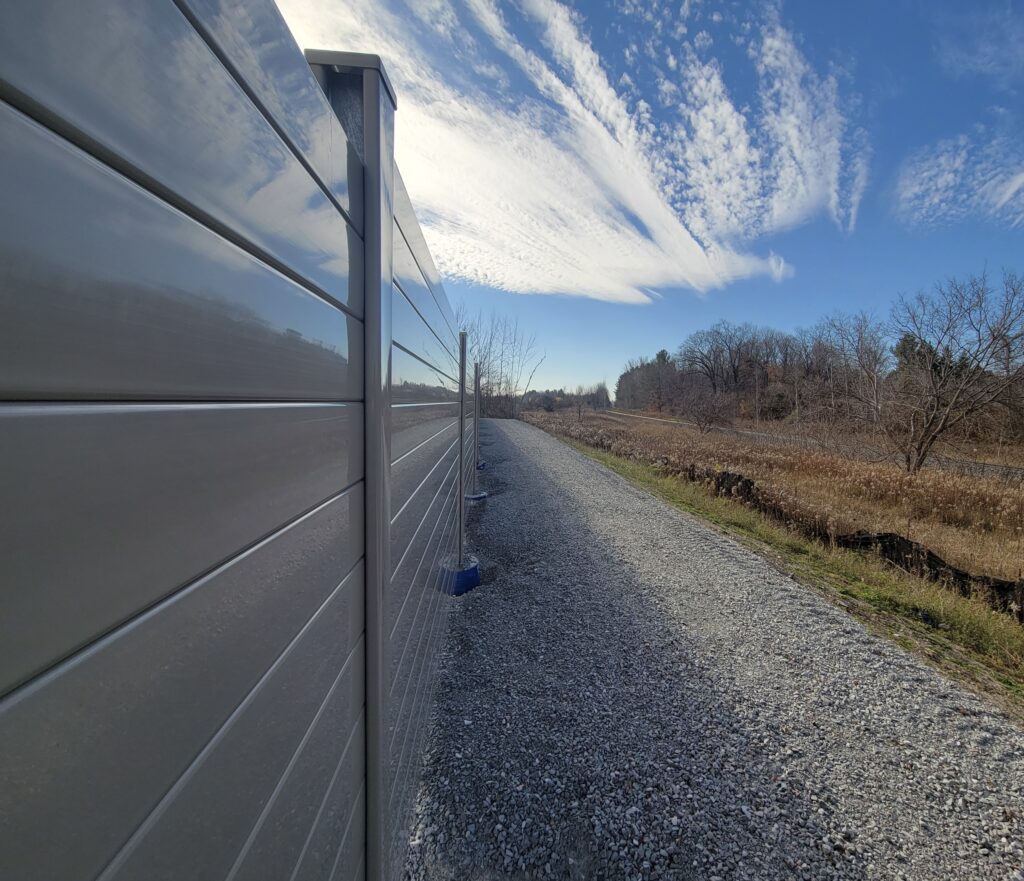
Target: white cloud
(534, 173)
(975, 175)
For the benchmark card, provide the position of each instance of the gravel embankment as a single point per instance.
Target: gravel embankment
(633, 695)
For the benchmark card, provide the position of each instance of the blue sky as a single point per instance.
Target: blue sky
(618, 175)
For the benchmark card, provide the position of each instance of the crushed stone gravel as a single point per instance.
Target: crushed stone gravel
(633, 695)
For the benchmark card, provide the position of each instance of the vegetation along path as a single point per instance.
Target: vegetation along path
(632, 694)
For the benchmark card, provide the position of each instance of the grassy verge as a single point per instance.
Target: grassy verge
(962, 637)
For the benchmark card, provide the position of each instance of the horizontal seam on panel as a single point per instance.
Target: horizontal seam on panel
(211, 41)
(138, 617)
(396, 281)
(107, 158)
(439, 598)
(420, 444)
(296, 754)
(140, 831)
(422, 360)
(412, 581)
(426, 281)
(360, 722)
(425, 404)
(431, 616)
(416, 531)
(426, 477)
(444, 528)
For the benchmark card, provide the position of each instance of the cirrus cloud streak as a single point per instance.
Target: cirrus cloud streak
(534, 173)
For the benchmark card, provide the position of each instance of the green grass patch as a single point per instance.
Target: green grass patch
(961, 636)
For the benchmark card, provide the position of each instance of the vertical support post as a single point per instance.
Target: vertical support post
(462, 448)
(378, 152)
(476, 422)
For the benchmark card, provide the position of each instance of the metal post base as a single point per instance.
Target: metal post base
(462, 578)
(480, 466)
(476, 497)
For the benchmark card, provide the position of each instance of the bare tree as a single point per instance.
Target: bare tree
(508, 360)
(703, 352)
(866, 359)
(708, 409)
(959, 352)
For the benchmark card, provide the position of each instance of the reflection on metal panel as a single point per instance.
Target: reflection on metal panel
(255, 42)
(219, 636)
(424, 506)
(412, 334)
(140, 301)
(139, 705)
(405, 216)
(412, 424)
(415, 382)
(410, 280)
(137, 500)
(136, 83)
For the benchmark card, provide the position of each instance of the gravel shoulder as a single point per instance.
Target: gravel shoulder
(633, 695)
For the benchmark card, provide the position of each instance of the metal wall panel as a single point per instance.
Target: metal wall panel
(219, 637)
(424, 504)
(253, 40)
(412, 693)
(137, 500)
(412, 424)
(413, 335)
(134, 82)
(405, 216)
(131, 712)
(409, 278)
(417, 570)
(326, 773)
(140, 301)
(201, 826)
(414, 381)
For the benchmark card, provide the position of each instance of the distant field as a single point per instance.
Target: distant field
(973, 521)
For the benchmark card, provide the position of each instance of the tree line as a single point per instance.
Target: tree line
(942, 365)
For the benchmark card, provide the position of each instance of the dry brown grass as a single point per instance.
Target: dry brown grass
(975, 523)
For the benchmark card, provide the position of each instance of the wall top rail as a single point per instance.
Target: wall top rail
(350, 62)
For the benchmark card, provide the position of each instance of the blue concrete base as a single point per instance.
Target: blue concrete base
(476, 497)
(480, 466)
(463, 579)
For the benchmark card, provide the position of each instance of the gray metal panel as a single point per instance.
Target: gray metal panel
(142, 302)
(254, 42)
(119, 723)
(202, 823)
(405, 216)
(413, 381)
(351, 852)
(414, 481)
(418, 566)
(138, 86)
(412, 424)
(410, 699)
(410, 280)
(413, 334)
(339, 817)
(137, 500)
(327, 776)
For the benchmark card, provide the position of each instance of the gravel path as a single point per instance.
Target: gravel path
(633, 695)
